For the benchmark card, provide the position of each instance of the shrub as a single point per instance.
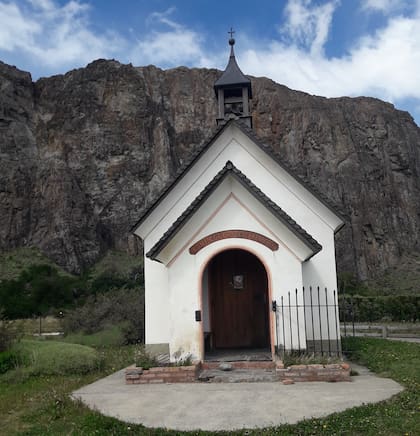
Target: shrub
(123, 307)
(8, 333)
(142, 359)
(35, 292)
(369, 309)
(58, 358)
(347, 282)
(8, 360)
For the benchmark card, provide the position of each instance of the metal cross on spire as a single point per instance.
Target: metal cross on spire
(231, 41)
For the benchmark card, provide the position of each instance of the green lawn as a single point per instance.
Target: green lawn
(40, 405)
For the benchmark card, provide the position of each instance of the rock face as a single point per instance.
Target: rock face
(82, 155)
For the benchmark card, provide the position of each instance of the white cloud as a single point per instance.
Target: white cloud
(309, 26)
(53, 35)
(15, 28)
(61, 36)
(172, 46)
(385, 64)
(384, 6)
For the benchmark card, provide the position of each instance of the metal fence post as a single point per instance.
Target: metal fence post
(297, 318)
(327, 308)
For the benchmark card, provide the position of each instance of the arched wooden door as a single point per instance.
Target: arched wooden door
(238, 288)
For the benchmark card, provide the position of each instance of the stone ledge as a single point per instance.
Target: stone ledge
(162, 374)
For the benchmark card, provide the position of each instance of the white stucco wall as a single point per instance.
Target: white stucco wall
(185, 271)
(157, 309)
(173, 289)
(186, 292)
(321, 272)
(231, 206)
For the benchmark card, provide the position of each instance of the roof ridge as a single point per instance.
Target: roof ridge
(205, 144)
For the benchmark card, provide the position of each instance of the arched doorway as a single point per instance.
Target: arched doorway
(238, 301)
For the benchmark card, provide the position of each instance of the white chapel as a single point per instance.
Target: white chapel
(237, 247)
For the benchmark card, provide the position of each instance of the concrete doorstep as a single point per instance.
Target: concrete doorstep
(230, 406)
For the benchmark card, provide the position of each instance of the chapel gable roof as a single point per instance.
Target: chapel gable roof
(205, 145)
(230, 169)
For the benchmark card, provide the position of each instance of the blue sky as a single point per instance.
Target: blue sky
(324, 47)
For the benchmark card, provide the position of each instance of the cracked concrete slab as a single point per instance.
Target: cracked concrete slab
(230, 406)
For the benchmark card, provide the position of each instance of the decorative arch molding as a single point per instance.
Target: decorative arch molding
(228, 234)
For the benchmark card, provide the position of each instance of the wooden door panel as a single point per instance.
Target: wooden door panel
(239, 317)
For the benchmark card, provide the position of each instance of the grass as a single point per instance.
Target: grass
(109, 337)
(41, 357)
(41, 405)
(308, 359)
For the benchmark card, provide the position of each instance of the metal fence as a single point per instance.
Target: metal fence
(347, 313)
(307, 321)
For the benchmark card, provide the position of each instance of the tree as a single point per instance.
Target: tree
(38, 290)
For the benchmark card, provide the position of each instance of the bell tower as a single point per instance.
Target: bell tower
(233, 91)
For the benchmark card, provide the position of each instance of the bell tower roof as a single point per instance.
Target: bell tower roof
(233, 76)
(233, 91)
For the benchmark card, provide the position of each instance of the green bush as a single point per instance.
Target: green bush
(143, 359)
(123, 307)
(8, 360)
(9, 334)
(348, 283)
(58, 358)
(36, 291)
(6, 335)
(400, 308)
(42, 289)
(107, 281)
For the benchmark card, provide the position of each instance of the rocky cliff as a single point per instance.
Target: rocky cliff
(82, 154)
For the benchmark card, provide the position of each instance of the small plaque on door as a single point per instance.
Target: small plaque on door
(238, 281)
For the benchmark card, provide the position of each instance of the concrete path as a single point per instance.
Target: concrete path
(230, 406)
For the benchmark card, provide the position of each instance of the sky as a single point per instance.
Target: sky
(330, 48)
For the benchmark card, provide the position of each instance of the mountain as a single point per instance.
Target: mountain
(83, 154)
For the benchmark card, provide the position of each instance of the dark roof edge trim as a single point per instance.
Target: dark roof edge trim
(182, 171)
(229, 168)
(304, 182)
(178, 224)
